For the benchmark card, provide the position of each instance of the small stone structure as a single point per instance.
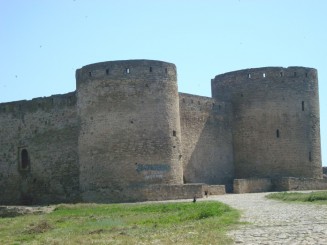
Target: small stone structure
(126, 134)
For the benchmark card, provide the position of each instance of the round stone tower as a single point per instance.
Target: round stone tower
(129, 128)
(275, 121)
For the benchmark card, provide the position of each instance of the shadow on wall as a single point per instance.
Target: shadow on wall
(211, 161)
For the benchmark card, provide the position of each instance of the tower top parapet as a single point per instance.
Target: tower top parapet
(269, 72)
(125, 69)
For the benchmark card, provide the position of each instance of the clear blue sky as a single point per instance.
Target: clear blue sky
(44, 42)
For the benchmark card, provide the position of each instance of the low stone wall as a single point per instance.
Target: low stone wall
(144, 193)
(252, 185)
(215, 189)
(294, 184)
(278, 184)
(170, 192)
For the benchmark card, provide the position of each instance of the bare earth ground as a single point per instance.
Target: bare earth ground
(12, 211)
(277, 222)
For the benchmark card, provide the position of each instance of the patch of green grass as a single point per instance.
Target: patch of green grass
(312, 197)
(165, 223)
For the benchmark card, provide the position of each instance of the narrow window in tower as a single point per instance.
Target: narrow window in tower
(302, 105)
(306, 74)
(281, 74)
(107, 71)
(277, 133)
(150, 69)
(90, 74)
(174, 133)
(24, 159)
(127, 70)
(249, 75)
(310, 157)
(294, 74)
(166, 70)
(263, 74)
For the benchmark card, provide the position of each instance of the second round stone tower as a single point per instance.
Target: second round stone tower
(129, 128)
(275, 121)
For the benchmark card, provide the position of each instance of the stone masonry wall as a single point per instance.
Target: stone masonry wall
(297, 184)
(38, 151)
(130, 129)
(276, 130)
(206, 139)
(214, 189)
(126, 134)
(252, 185)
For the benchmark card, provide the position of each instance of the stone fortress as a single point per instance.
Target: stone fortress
(126, 134)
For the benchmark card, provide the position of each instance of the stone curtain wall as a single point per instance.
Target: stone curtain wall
(207, 140)
(130, 129)
(275, 121)
(45, 129)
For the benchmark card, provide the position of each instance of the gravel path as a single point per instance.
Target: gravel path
(276, 222)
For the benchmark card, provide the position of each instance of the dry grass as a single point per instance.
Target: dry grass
(311, 197)
(40, 227)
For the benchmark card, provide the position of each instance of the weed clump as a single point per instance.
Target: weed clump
(40, 227)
